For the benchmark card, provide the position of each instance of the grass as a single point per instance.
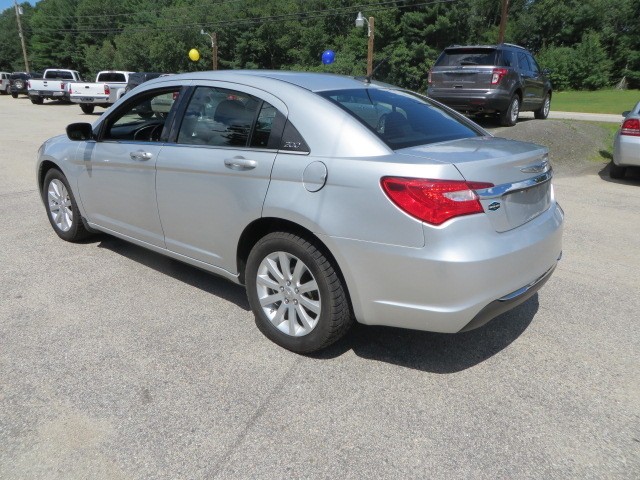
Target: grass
(606, 153)
(600, 101)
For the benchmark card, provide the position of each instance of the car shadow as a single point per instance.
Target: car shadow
(441, 353)
(491, 122)
(425, 351)
(180, 271)
(631, 177)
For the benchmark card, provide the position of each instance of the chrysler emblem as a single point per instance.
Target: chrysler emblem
(493, 206)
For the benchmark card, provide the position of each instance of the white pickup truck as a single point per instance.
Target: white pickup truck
(53, 85)
(107, 89)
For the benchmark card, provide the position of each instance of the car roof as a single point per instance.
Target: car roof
(314, 82)
(499, 45)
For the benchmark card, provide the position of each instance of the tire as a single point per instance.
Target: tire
(36, 99)
(300, 321)
(19, 84)
(509, 117)
(616, 171)
(88, 109)
(14, 94)
(543, 112)
(62, 209)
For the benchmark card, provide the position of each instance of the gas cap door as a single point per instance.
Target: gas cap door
(314, 176)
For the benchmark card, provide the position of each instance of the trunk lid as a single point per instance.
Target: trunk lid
(520, 172)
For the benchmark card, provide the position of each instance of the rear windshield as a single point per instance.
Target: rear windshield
(401, 119)
(112, 77)
(59, 74)
(459, 57)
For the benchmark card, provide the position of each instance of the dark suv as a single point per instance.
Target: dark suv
(18, 82)
(503, 79)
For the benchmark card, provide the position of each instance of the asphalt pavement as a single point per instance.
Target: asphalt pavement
(118, 363)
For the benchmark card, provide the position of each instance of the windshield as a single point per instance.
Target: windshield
(459, 57)
(401, 119)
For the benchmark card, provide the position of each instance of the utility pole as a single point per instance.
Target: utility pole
(214, 46)
(370, 47)
(24, 47)
(503, 20)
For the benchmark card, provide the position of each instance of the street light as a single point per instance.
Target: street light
(214, 46)
(360, 21)
(19, 12)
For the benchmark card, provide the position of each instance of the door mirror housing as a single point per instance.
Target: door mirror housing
(626, 113)
(546, 71)
(80, 131)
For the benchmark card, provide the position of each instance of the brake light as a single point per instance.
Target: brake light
(434, 201)
(28, 84)
(107, 90)
(631, 127)
(497, 75)
(429, 79)
(63, 86)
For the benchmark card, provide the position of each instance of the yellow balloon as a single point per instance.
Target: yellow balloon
(194, 54)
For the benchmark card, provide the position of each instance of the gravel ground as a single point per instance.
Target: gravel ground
(117, 363)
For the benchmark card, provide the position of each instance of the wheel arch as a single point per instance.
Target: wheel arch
(265, 225)
(43, 169)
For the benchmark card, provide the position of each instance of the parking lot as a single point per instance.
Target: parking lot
(116, 362)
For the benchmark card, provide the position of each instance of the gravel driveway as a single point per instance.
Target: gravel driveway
(119, 363)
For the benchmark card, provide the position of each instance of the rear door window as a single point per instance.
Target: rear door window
(523, 62)
(508, 59)
(460, 57)
(400, 118)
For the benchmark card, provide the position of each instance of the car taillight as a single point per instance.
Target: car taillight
(28, 84)
(497, 75)
(429, 78)
(434, 201)
(107, 90)
(63, 86)
(631, 127)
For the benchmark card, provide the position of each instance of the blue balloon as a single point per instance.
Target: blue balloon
(328, 56)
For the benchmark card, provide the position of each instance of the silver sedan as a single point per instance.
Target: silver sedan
(332, 199)
(626, 145)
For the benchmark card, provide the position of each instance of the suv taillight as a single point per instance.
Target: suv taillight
(434, 201)
(107, 90)
(497, 75)
(429, 78)
(631, 127)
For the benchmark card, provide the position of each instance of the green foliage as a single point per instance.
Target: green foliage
(155, 35)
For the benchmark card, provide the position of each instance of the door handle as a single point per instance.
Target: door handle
(240, 163)
(140, 156)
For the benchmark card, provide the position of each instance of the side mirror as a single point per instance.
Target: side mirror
(80, 131)
(546, 71)
(625, 114)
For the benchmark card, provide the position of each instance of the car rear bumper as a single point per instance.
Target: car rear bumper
(458, 281)
(90, 100)
(626, 151)
(467, 100)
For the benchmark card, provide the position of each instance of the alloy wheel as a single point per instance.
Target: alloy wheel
(288, 293)
(59, 203)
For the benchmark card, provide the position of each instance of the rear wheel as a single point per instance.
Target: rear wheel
(36, 99)
(616, 171)
(88, 109)
(62, 209)
(296, 294)
(543, 111)
(509, 117)
(14, 94)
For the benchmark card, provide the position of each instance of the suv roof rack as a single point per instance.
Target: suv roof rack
(486, 46)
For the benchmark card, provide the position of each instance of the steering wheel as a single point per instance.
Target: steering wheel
(149, 133)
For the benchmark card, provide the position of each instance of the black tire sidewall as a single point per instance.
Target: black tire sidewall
(88, 109)
(77, 230)
(540, 114)
(505, 117)
(317, 338)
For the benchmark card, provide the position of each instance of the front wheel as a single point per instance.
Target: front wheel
(88, 109)
(509, 117)
(296, 294)
(543, 111)
(36, 99)
(62, 209)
